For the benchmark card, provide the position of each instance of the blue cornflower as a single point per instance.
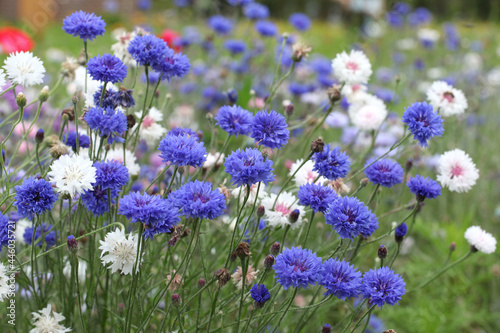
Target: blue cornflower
(34, 197)
(48, 233)
(321, 65)
(394, 19)
(108, 100)
(239, 2)
(269, 129)
(340, 279)
(182, 131)
(147, 50)
(173, 65)
(123, 97)
(266, 28)
(182, 150)
(423, 122)
(5, 233)
(384, 172)
(382, 285)
(296, 267)
(300, 21)
(402, 8)
(111, 174)
(107, 68)
(256, 11)
(87, 26)
(316, 196)
(157, 215)
(424, 187)
(420, 16)
(197, 199)
(260, 294)
(235, 46)
(96, 200)
(220, 24)
(349, 217)
(248, 167)
(234, 120)
(70, 141)
(401, 231)
(110, 123)
(331, 164)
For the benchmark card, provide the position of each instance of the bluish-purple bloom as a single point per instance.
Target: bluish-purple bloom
(260, 294)
(111, 174)
(87, 26)
(83, 140)
(7, 230)
(420, 16)
(316, 196)
(34, 197)
(48, 233)
(248, 167)
(198, 200)
(331, 163)
(182, 150)
(269, 129)
(383, 286)
(108, 122)
(401, 230)
(350, 218)
(234, 120)
(107, 68)
(123, 97)
(256, 11)
(96, 200)
(172, 65)
(340, 279)
(235, 46)
(220, 24)
(239, 2)
(266, 28)
(147, 50)
(424, 187)
(296, 267)
(182, 131)
(384, 172)
(300, 21)
(423, 122)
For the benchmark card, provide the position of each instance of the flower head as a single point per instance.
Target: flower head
(107, 68)
(250, 276)
(150, 129)
(220, 24)
(457, 171)
(49, 235)
(72, 174)
(269, 129)
(352, 68)
(48, 321)
(87, 26)
(110, 123)
(300, 21)
(173, 65)
(350, 218)
(367, 112)
(480, 239)
(266, 28)
(34, 197)
(24, 69)
(111, 174)
(120, 251)
(197, 199)
(6, 230)
(147, 50)
(383, 286)
(256, 11)
(296, 267)
(384, 172)
(248, 167)
(424, 187)
(70, 140)
(401, 230)
(423, 123)
(182, 150)
(260, 294)
(340, 279)
(305, 174)
(234, 120)
(317, 197)
(331, 163)
(286, 211)
(446, 99)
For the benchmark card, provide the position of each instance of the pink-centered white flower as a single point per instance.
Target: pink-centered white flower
(480, 239)
(120, 251)
(24, 68)
(72, 174)
(352, 68)
(46, 321)
(130, 160)
(305, 174)
(457, 171)
(368, 113)
(279, 214)
(446, 99)
(151, 129)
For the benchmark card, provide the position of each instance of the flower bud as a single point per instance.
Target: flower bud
(131, 121)
(289, 108)
(269, 261)
(300, 51)
(317, 145)
(223, 276)
(363, 182)
(409, 165)
(176, 300)
(382, 252)
(242, 250)
(181, 170)
(453, 246)
(44, 94)
(21, 100)
(74, 100)
(39, 136)
(334, 94)
(275, 248)
(261, 210)
(201, 283)
(294, 216)
(400, 232)
(232, 96)
(121, 308)
(72, 244)
(326, 329)
(70, 113)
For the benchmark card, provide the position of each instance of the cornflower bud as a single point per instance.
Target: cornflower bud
(201, 283)
(294, 216)
(317, 145)
(382, 252)
(242, 250)
(261, 210)
(275, 248)
(70, 113)
(39, 136)
(232, 96)
(21, 100)
(269, 261)
(176, 300)
(363, 182)
(223, 276)
(326, 329)
(44, 94)
(334, 94)
(131, 121)
(72, 244)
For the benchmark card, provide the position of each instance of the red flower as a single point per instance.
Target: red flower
(15, 40)
(170, 36)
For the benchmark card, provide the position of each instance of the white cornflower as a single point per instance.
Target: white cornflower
(352, 68)
(354, 92)
(446, 99)
(121, 251)
(368, 113)
(480, 239)
(305, 174)
(280, 214)
(82, 270)
(3, 80)
(457, 171)
(120, 48)
(116, 154)
(25, 69)
(47, 321)
(151, 129)
(249, 278)
(211, 158)
(72, 174)
(4, 282)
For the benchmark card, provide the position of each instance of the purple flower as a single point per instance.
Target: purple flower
(340, 279)
(197, 199)
(182, 150)
(6, 230)
(260, 294)
(350, 218)
(269, 129)
(182, 131)
(424, 188)
(234, 120)
(300, 21)
(111, 174)
(48, 233)
(34, 197)
(423, 123)
(248, 167)
(147, 50)
(70, 141)
(173, 65)
(220, 24)
(266, 28)
(235, 46)
(123, 97)
(256, 11)
(297, 267)
(317, 197)
(107, 68)
(383, 286)
(96, 200)
(84, 25)
(108, 122)
(385, 172)
(401, 231)
(331, 164)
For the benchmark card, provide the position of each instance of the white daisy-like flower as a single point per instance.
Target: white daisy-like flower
(305, 174)
(354, 92)
(4, 282)
(428, 35)
(130, 159)
(25, 69)
(151, 129)
(82, 270)
(446, 99)
(280, 214)
(212, 158)
(457, 171)
(352, 68)
(48, 321)
(120, 49)
(121, 251)
(480, 239)
(72, 174)
(368, 113)
(406, 44)
(3, 80)
(249, 278)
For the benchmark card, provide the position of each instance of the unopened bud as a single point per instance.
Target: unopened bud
(210, 116)
(176, 300)
(289, 108)
(121, 308)
(39, 136)
(363, 182)
(294, 216)
(400, 232)
(334, 94)
(265, 153)
(453, 246)
(232, 96)
(72, 244)
(69, 113)
(201, 283)
(131, 121)
(181, 170)
(74, 99)
(21, 100)
(408, 165)
(382, 252)
(326, 329)
(317, 145)
(275, 248)
(261, 211)
(44, 94)
(269, 261)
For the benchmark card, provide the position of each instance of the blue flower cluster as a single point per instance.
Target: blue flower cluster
(384, 172)
(84, 25)
(70, 140)
(270, 129)
(424, 187)
(108, 122)
(340, 279)
(33, 197)
(300, 21)
(220, 24)
(248, 167)
(148, 50)
(5, 234)
(49, 235)
(331, 163)
(260, 294)
(296, 267)
(383, 286)
(198, 200)
(107, 68)
(234, 120)
(184, 149)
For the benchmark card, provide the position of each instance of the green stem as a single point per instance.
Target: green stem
(286, 310)
(308, 229)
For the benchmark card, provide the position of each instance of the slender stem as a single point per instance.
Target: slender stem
(286, 310)
(308, 229)
(135, 277)
(291, 177)
(236, 225)
(243, 280)
(373, 194)
(368, 313)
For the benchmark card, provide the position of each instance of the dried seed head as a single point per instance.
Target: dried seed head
(223, 276)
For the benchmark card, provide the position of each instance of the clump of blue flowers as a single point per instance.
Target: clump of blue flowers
(182, 150)
(108, 122)
(340, 279)
(424, 187)
(49, 235)
(234, 120)
(316, 196)
(384, 172)
(107, 68)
